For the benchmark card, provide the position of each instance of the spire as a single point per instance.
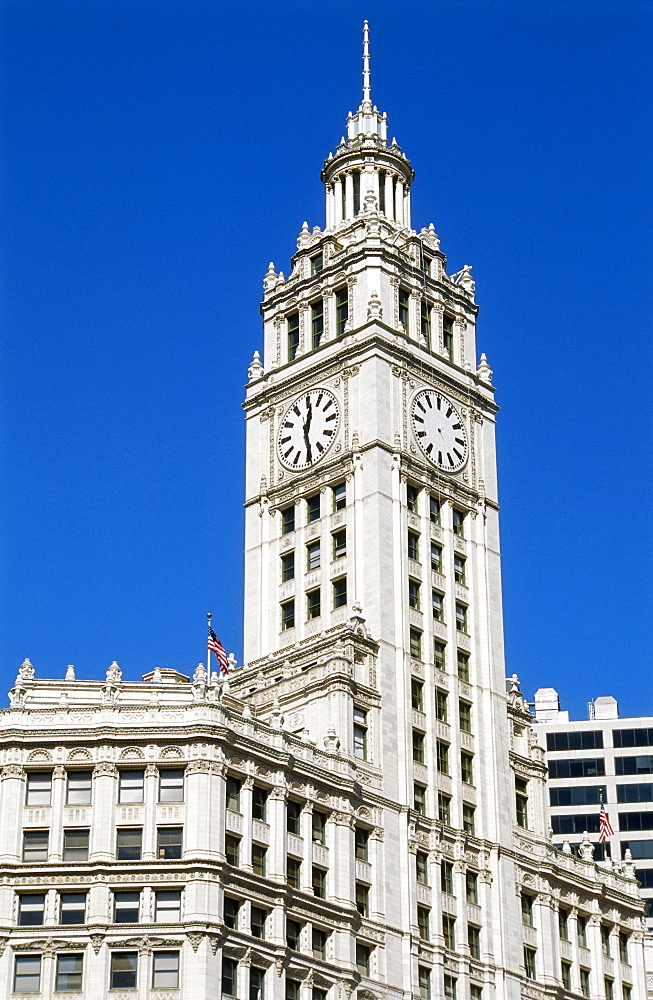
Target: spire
(367, 89)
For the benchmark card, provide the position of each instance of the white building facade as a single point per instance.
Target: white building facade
(360, 808)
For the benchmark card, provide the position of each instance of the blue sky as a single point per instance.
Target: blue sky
(157, 155)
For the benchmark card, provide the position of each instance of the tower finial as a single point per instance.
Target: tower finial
(367, 90)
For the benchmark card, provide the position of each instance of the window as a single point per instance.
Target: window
(575, 824)
(363, 954)
(128, 845)
(126, 907)
(449, 931)
(527, 902)
(423, 915)
(259, 858)
(318, 994)
(124, 966)
(69, 973)
(632, 793)
(422, 867)
(288, 519)
(521, 801)
(442, 754)
(434, 510)
(467, 767)
(461, 617)
(171, 785)
(585, 982)
(563, 923)
(312, 556)
(633, 765)
(414, 594)
(319, 940)
(39, 789)
(288, 567)
(360, 733)
(441, 705)
(580, 740)
(582, 795)
(581, 930)
(449, 988)
(632, 737)
(317, 263)
(233, 795)
(415, 637)
(465, 716)
(317, 323)
(436, 558)
(342, 311)
(318, 882)
(339, 544)
(167, 906)
(608, 988)
(624, 937)
(636, 820)
(458, 522)
(30, 909)
(447, 336)
(313, 508)
(293, 934)
(471, 887)
(529, 962)
(231, 910)
(363, 899)
(475, 992)
(165, 970)
(424, 980)
(168, 842)
(27, 974)
(293, 872)
(474, 941)
(361, 843)
(463, 666)
(425, 324)
(444, 808)
(287, 615)
(413, 546)
(412, 498)
(439, 655)
(259, 803)
(78, 788)
(417, 695)
(565, 974)
(404, 300)
(468, 819)
(446, 877)
(313, 604)
(257, 921)
(292, 989)
(419, 799)
(605, 939)
(459, 569)
(437, 601)
(340, 592)
(587, 768)
(339, 493)
(294, 817)
(75, 845)
(72, 908)
(418, 746)
(130, 787)
(318, 827)
(292, 326)
(229, 976)
(626, 992)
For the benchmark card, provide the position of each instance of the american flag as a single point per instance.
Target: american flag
(218, 649)
(605, 830)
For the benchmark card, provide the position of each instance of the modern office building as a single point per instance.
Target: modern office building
(359, 810)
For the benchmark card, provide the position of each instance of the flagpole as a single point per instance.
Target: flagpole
(208, 650)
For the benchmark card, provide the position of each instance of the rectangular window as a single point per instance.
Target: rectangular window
(439, 655)
(434, 510)
(417, 695)
(425, 324)
(444, 808)
(229, 976)
(404, 310)
(436, 558)
(437, 602)
(78, 788)
(168, 843)
(527, 903)
(625, 793)
(130, 786)
(68, 976)
(342, 311)
(233, 795)
(288, 567)
(418, 746)
(449, 988)
(360, 733)
(361, 843)
(317, 323)
(292, 325)
(608, 988)
(167, 906)
(424, 980)
(292, 989)
(458, 522)
(415, 637)
(449, 931)
(422, 867)
(75, 845)
(465, 716)
(313, 508)
(313, 604)
(565, 975)
(293, 934)
(317, 263)
(585, 982)
(529, 962)
(39, 789)
(318, 882)
(27, 974)
(72, 908)
(605, 939)
(231, 909)
(287, 615)
(459, 569)
(412, 498)
(446, 877)
(563, 923)
(124, 967)
(171, 785)
(319, 940)
(294, 872)
(414, 600)
(413, 546)
(339, 543)
(633, 765)
(471, 887)
(474, 941)
(632, 738)
(126, 907)
(586, 768)
(363, 899)
(259, 859)
(475, 992)
(129, 845)
(575, 824)
(626, 992)
(340, 592)
(442, 753)
(288, 519)
(441, 698)
(31, 907)
(419, 799)
(165, 970)
(579, 740)
(423, 919)
(259, 803)
(521, 802)
(583, 795)
(363, 954)
(581, 930)
(462, 660)
(318, 827)
(339, 494)
(447, 336)
(312, 556)
(294, 817)
(467, 767)
(623, 945)
(461, 617)
(469, 822)
(258, 918)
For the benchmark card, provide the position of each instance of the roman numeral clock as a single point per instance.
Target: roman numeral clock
(439, 430)
(308, 429)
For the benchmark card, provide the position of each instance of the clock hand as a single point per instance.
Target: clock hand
(307, 427)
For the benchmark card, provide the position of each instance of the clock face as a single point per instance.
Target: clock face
(439, 430)
(308, 429)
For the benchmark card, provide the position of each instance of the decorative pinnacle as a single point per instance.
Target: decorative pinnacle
(367, 89)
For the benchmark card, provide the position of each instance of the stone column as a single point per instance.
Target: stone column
(13, 795)
(349, 195)
(337, 201)
(407, 207)
(150, 795)
(399, 202)
(277, 821)
(103, 823)
(56, 812)
(375, 850)
(389, 196)
(342, 864)
(198, 826)
(246, 810)
(307, 835)
(594, 945)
